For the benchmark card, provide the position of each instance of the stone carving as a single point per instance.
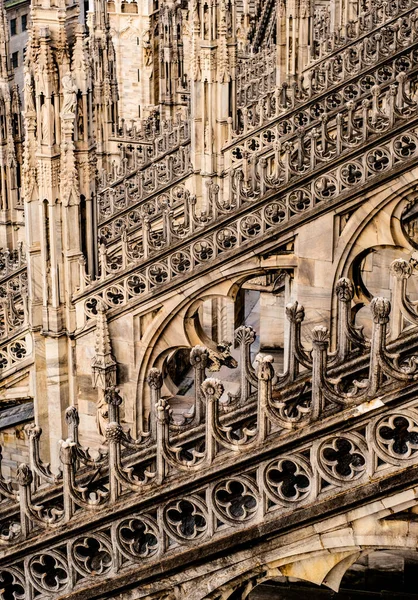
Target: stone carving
(45, 124)
(69, 91)
(29, 100)
(146, 42)
(80, 119)
(284, 442)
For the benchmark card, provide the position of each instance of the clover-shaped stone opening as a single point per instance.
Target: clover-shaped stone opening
(10, 588)
(137, 536)
(49, 573)
(186, 520)
(288, 479)
(93, 556)
(236, 500)
(344, 459)
(399, 435)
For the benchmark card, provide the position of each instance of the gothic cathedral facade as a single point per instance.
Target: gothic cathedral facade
(209, 299)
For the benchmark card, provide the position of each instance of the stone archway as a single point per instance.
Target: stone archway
(169, 327)
(320, 554)
(322, 575)
(374, 575)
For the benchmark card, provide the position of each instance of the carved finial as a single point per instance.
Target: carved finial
(67, 448)
(212, 389)
(265, 367)
(114, 432)
(295, 313)
(71, 416)
(112, 396)
(155, 379)
(380, 308)
(401, 268)
(24, 474)
(320, 335)
(33, 431)
(199, 356)
(245, 335)
(162, 409)
(344, 290)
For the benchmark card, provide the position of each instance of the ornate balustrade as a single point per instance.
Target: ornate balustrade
(144, 217)
(151, 129)
(140, 129)
(340, 73)
(13, 303)
(256, 75)
(137, 152)
(131, 189)
(15, 351)
(373, 17)
(282, 156)
(234, 460)
(317, 168)
(15, 345)
(12, 261)
(321, 27)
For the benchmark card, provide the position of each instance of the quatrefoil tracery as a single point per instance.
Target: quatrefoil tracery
(138, 537)
(288, 479)
(395, 437)
(92, 555)
(12, 584)
(49, 572)
(236, 499)
(186, 519)
(342, 458)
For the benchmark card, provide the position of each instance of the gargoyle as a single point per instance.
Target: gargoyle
(221, 357)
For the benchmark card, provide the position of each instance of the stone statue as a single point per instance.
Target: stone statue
(80, 119)
(45, 124)
(147, 48)
(69, 90)
(29, 102)
(102, 414)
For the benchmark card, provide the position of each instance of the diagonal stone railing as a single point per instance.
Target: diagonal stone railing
(138, 188)
(333, 429)
(145, 216)
(138, 202)
(14, 343)
(11, 261)
(257, 109)
(362, 145)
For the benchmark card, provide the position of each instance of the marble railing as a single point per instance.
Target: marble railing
(150, 498)
(146, 130)
(300, 143)
(170, 209)
(339, 76)
(13, 307)
(266, 191)
(136, 188)
(13, 304)
(136, 153)
(373, 17)
(15, 351)
(256, 75)
(12, 261)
